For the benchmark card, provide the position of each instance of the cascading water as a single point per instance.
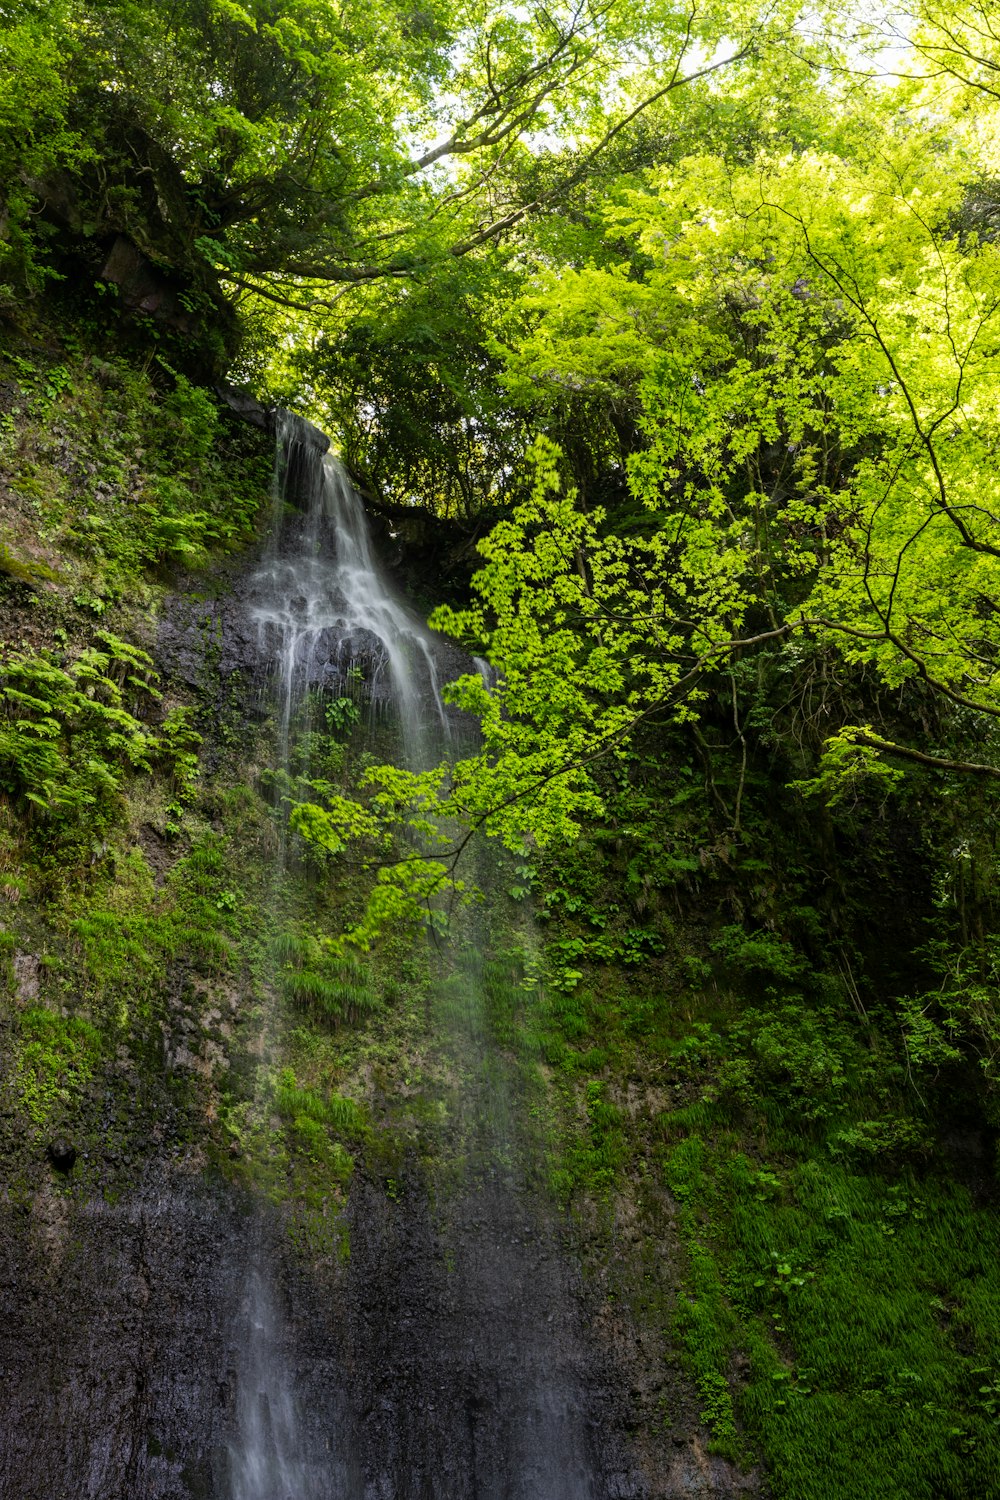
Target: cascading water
(326, 615)
(271, 1457)
(324, 608)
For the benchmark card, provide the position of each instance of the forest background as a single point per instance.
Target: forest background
(679, 330)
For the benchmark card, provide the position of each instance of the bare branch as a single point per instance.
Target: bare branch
(935, 762)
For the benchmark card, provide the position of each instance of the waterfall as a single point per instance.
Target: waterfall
(330, 626)
(271, 1456)
(327, 615)
(329, 621)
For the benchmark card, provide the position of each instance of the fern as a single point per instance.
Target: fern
(67, 736)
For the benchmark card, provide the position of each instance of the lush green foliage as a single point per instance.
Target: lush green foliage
(710, 387)
(65, 728)
(786, 369)
(279, 149)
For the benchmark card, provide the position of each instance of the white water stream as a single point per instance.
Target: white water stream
(327, 616)
(324, 606)
(328, 619)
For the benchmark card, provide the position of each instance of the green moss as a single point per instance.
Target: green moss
(24, 570)
(156, 477)
(862, 1306)
(54, 1059)
(8, 946)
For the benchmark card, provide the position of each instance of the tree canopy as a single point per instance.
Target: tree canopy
(284, 149)
(691, 315)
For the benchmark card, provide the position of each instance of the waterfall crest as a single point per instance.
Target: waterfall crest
(327, 614)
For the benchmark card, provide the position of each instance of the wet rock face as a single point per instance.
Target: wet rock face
(474, 1374)
(218, 647)
(482, 1369)
(214, 647)
(269, 418)
(112, 1349)
(62, 1154)
(314, 609)
(452, 1357)
(119, 1345)
(27, 978)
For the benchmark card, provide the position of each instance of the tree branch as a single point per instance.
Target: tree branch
(936, 762)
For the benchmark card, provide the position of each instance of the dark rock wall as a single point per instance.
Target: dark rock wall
(113, 1345)
(452, 1356)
